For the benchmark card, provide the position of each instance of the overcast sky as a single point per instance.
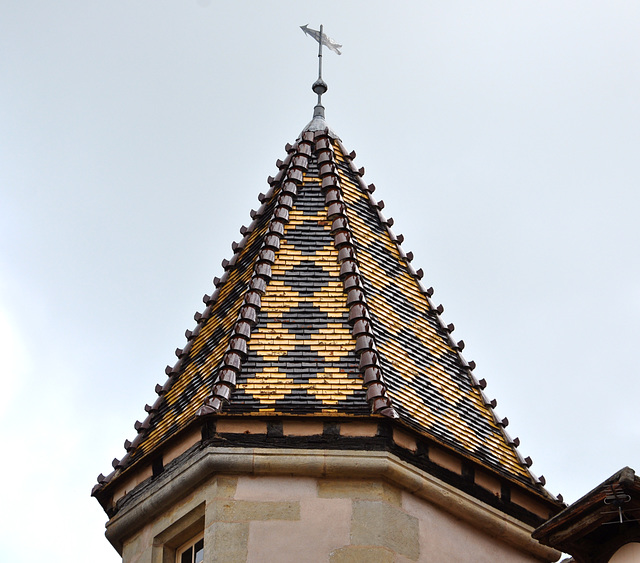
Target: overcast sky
(504, 138)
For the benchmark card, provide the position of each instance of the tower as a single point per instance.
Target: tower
(320, 410)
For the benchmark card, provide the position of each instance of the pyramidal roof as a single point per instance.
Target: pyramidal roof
(320, 313)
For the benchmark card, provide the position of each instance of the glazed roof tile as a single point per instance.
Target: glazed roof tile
(319, 312)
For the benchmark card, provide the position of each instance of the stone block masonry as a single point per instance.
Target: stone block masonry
(255, 519)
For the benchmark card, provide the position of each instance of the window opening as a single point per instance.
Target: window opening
(191, 552)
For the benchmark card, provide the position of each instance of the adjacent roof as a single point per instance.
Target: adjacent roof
(594, 527)
(320, 313)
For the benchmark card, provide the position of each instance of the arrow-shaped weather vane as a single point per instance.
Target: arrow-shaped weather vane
(325, 40)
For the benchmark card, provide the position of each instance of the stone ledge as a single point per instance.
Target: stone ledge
(319, 463)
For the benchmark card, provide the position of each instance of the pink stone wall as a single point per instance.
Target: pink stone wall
(446, 538)
(293, 519)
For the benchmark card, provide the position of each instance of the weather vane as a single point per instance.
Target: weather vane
(320, 86)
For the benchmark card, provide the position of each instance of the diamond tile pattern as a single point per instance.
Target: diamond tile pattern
(319, 312)
(301, 353)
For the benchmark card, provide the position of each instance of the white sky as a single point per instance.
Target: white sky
(135, 136)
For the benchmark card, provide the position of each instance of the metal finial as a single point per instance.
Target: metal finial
(320, 86)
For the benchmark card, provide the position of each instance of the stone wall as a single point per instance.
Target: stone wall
(291, 519)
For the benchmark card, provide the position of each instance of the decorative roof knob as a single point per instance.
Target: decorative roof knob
(319, 87)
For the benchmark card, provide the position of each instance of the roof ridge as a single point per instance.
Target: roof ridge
(359, 318)
(173, 372)
(233, 359)
(468, 366)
